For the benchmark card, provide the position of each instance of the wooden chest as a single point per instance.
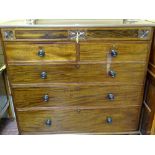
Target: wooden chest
(77, 80)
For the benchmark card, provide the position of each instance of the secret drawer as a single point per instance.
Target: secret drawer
(74, 34)
(79, 120)
(78, 95)
(129, 73)
(27, 51)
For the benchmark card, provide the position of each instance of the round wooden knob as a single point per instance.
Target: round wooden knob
(110, 96)
(48, 122)
(114, 53)
(46, 98)
(41, 53)
(109, 120)
(43, 75)
(112, 73)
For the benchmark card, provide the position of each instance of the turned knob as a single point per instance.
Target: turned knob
(113, 53)
(109, 120)
(112, 73)
(46, 98)
(110, 96)
(48, 122)
(41, 53)
(43, 75)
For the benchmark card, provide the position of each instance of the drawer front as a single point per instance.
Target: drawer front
(81, 120)
(129, 73)
(63, 34)
(116, 51)
(78, 95)
(40, 52)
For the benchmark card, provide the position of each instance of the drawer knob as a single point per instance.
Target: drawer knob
(114, 53)
(43, 75)
(110, 96)
(41, 53)
(46, 98)
(48, 122)
(112, 73)
(109, 120)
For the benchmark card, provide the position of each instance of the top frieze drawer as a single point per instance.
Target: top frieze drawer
(76, 34)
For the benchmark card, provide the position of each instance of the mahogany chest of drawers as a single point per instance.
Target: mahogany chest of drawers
(77, 79)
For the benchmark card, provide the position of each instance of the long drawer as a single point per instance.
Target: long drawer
(79, 120)
(128, 73)
(89, 51)
(78, 95)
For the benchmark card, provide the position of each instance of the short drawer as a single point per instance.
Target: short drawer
(19, 51)
(124, 73)
(82, 95)
(79, 120)
(116, 52)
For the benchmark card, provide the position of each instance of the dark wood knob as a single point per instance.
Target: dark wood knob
(41, 53)
(46, 98)
(113, 53)
(43, 75)
(112, 73)
(48, 122)
(110, 96)
(109, 120)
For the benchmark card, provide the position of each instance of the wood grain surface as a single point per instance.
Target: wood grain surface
(129, 73)
(148, 116)
(126, 51)
(42, 34)
(62, 34)
(148, 112)
(89, 51)
(29, 51)
(83, 120)
(78, 95)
